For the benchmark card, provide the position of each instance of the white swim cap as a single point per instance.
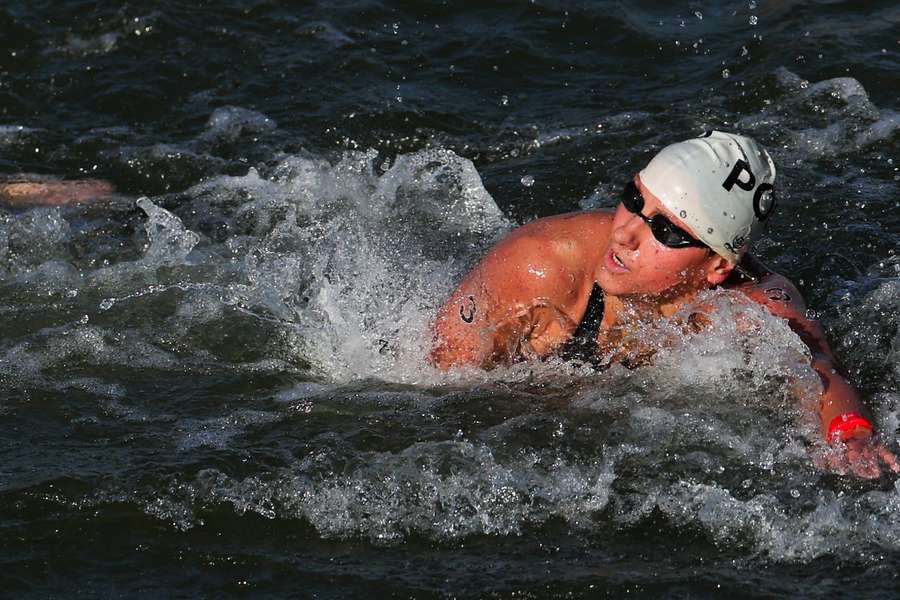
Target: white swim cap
(719, 185)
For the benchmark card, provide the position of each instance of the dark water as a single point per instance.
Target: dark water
(219, 390)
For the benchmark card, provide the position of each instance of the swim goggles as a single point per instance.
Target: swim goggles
(665, 232)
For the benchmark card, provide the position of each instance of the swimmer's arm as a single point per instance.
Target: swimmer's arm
(838, 397)
(466, 331)
(490, 318)
(782, 299)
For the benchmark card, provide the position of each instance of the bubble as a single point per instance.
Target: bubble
(527, 181)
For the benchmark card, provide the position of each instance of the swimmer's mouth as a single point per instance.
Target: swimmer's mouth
(614, 263)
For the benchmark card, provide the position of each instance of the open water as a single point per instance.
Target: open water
(212, 384)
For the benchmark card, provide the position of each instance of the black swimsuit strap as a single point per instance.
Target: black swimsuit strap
(583, 343)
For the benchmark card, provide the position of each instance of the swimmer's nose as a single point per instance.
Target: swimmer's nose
(628, 235)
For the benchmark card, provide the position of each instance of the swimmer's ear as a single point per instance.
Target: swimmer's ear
(717, 270)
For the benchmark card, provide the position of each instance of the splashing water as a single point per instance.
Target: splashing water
(231, 369)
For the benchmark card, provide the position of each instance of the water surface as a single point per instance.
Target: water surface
(219, 389)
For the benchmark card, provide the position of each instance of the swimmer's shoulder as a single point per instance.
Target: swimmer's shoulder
(782, 298)
(768, 288)
(566, 232)
(551, 257)
(582, 219)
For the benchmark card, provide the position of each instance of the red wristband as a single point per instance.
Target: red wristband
(844, 425)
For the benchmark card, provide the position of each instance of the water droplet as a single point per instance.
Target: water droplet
(709, 230)
(752, 5)
(753, 20)
(504, 100)
(795, 493)
(107, 303)
(682, 214)
(698, 14)
(527, 181)
(726, 73)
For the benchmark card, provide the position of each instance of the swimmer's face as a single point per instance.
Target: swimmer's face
(635, 263)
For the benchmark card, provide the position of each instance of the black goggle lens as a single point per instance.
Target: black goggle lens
(665, 232)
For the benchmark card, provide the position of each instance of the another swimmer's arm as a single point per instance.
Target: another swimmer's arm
(39, 190)
(863, 455)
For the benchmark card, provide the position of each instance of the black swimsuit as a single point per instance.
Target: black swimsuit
(583, 343)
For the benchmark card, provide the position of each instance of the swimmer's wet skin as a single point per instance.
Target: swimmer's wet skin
(684, 225)
(37, 190)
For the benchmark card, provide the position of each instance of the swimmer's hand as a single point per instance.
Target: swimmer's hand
(861, 455)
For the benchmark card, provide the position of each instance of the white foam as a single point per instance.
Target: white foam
(445, 491)
(343, 253)
(169, 241)
(344, 263)
(853, 122)
(228, 123)
(32, 237)
(870, 327)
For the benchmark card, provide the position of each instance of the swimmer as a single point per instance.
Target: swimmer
(40, 190)
(571, 284)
